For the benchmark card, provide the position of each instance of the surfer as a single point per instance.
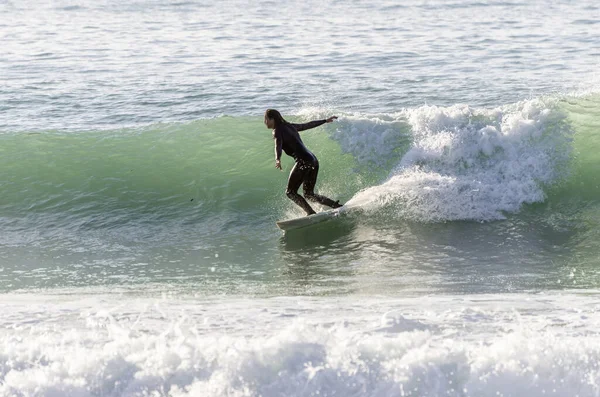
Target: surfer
(306, 168)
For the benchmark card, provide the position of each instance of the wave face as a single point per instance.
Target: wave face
(171, 172)
(436, 164)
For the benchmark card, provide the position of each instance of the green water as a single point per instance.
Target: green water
(192, 206)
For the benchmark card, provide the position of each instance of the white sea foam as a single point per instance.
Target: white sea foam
(467, 163)
(488, 345)
(374, 140)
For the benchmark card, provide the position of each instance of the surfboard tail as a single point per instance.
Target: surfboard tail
(297, 223)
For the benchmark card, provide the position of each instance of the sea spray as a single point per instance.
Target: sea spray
(475, 164)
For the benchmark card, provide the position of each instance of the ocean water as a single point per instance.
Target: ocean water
(138, 249)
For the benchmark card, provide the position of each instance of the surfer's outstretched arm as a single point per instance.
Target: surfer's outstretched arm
(312, 124)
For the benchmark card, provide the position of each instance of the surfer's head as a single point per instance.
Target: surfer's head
(273, 118)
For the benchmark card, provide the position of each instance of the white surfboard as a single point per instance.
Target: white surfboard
(309, 220)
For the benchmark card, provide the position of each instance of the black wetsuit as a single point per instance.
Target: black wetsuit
(306, 168)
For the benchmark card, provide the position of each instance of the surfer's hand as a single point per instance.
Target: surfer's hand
(278, 164)
(329, 120)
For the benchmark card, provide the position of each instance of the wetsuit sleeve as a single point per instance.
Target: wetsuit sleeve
(309, 125)
(278, 144)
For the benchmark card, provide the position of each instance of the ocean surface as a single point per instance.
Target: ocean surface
(138, 249)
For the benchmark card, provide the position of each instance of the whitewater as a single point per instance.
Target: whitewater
(138, 249)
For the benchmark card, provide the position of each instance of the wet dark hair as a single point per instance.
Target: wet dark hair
(275, 115)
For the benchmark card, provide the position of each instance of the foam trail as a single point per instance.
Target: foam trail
(475, 164)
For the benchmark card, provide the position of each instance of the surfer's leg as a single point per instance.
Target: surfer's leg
(294, 182)
(310, 180)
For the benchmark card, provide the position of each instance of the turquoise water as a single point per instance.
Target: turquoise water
(139, 254)
(438, 188)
